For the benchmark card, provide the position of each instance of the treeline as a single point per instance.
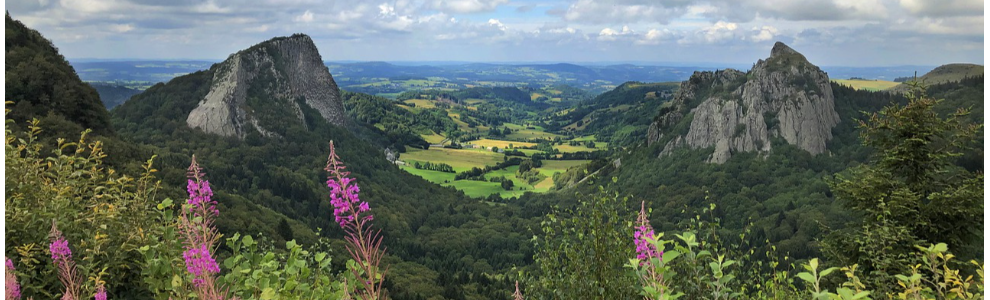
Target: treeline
(441, 167)
(476, 173)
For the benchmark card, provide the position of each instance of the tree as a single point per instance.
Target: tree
(582, 251)
(507, 185)
(911, 192)
(285, 230)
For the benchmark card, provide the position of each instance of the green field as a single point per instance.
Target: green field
(521, 132)
(499, 143)
(869, 85)
(460, 159)
(421, 103)
(465, 159)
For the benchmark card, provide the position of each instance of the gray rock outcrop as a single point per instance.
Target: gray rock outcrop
(276, 73)
(783, 96)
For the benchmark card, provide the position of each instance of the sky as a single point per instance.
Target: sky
(828, 32)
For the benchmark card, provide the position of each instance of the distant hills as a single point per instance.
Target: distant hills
(945, 74)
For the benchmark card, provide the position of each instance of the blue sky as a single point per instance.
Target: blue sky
(828, 32)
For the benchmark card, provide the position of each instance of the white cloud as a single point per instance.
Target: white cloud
(121, 28)
(609, 34)
(655, 37)
(719, 32)
(306, 17)
(466, 6)
(623, 11)
(763, 34)
(943, 8)
(497, 24)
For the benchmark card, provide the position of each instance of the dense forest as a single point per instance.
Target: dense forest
(43, 85)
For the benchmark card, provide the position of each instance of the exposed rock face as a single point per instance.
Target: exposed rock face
(783, 96)
(275, 75)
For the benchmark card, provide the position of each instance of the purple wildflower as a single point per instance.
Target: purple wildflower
(60, 249)
(62, 257)
(364, 245)
(101, 293)
(13, 289)
(344, 193)
(644, 249)
(200, 263)
(197, 227)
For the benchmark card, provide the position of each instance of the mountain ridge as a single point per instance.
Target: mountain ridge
(289, 72)
(782, 96)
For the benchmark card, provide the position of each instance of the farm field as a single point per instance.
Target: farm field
(460, 159)
(465, 159)
(869, 85)
(521, 132)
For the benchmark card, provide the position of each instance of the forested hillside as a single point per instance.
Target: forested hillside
(39, 80)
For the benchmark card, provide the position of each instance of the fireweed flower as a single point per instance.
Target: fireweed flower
(199, 262)
(101, 293)
(62, 257)
(60, 249)
(344, 193)
(196, 223)
(353, 215)
(644, 249)
(13, 289)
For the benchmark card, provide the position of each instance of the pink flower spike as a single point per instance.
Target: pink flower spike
(13, 289)
(60, 249)
(644, 249)
(101, 293)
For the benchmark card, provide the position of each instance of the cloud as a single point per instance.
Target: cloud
(608, 34)
(534, 29)
(306, 17)
(466, 6)
(657, 36)
(719, 32)
(943, 8)
(622, 11)
(762, 34)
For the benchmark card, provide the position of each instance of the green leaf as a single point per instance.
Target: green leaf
(827, 271)
(268, 294)
(806, 277)
(248, 241)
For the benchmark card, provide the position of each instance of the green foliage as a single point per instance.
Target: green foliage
(292, 274)
(582, 251)
(911, 192)
(106, 216)
(40, 81)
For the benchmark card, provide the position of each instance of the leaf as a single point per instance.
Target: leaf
(268, 294)
(806, 277)
(827, 271)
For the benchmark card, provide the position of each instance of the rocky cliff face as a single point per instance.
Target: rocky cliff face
(267, 84)
(783, 96)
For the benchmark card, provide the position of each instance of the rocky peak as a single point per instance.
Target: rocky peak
(783, 96)
(782, 49)
(266, 85)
